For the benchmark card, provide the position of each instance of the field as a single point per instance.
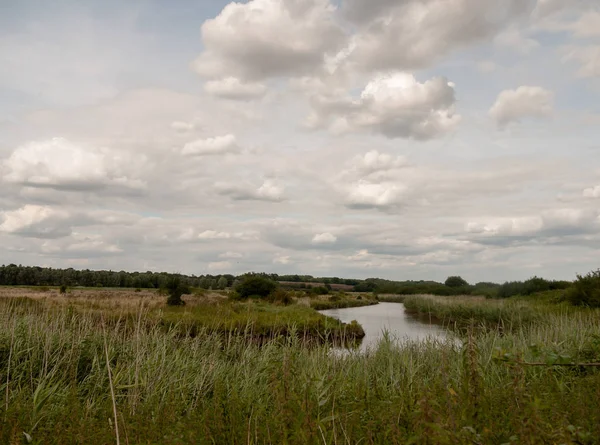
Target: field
(99, 366)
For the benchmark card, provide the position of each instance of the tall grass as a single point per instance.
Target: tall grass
(211, 388)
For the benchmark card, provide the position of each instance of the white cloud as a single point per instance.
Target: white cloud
(231, 255)
(394, 105)
(512, 38)
(220, 266)
(588, 25)
(36, 221)
(182, 127)
(213, 234)
(364, 195)
(487, 66)
(269, 191)
(412, 34)
(548, 224)
(525, 101)
(587, 56)
(233, 88)
(212, 146)
(373, 161)
(268, 38)
(216, 235)
(324, 238)
(506, 226)
(60, 164)
(282, 259)
(592, 192)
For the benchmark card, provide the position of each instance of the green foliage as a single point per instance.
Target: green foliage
(455, 281)
(209, 388)
(586, 290)
(255, 286)
(280, 296)
(337, 302)
(176, 289)
(529, 287)
(222, 283)
(319, 290)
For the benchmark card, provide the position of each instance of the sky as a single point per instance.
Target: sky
(402, 139)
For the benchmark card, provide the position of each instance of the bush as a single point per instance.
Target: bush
(280, 296)
(455, 282)
(255, 286)
(63, 289)
(319, 290)
(586, 290)
(176, 290)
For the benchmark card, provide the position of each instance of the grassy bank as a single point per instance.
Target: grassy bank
(507, 314)
(67, 377)
(259, 321)
(340, 302)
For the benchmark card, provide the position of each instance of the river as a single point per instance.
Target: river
(390, 317)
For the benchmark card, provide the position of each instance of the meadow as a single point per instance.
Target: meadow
(99, 367)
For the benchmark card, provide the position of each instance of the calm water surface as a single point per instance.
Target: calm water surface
(390, 317)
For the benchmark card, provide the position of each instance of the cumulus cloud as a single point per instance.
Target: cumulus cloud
(234, 89)
(217, 235)
(412, 34)
(182, 127)
(269, 191)
(324, 238)
(62, 165)
(211, 146)
(525, 101)
(588, 58)
(549, 224)
(592, 192)
(282, 259)
(512, 38)
(268, 38)
(36, 222)
(365, 195)
(588, 25)
(231, 255)
(375, 162)
(393, 105)
(213, 234)
(220, 266)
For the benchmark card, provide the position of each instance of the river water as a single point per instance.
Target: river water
(390, 317)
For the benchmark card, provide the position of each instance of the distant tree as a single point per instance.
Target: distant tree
(455, 281)
(222, 283)
(255, 286)
(204, 283)
(176, 290)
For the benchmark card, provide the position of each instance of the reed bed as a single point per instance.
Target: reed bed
(71, 376)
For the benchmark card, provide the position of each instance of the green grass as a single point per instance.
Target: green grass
(340, 303)
(259, 321)
(214, 388)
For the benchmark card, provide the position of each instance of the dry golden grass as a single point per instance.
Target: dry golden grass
(123, 300)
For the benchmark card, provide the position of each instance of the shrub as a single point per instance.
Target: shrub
(255, 285)
(63, 289)
(280, 296)
(319, 290)
(455, 281)
(586, 290)
(176, 290)
(222, 283)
